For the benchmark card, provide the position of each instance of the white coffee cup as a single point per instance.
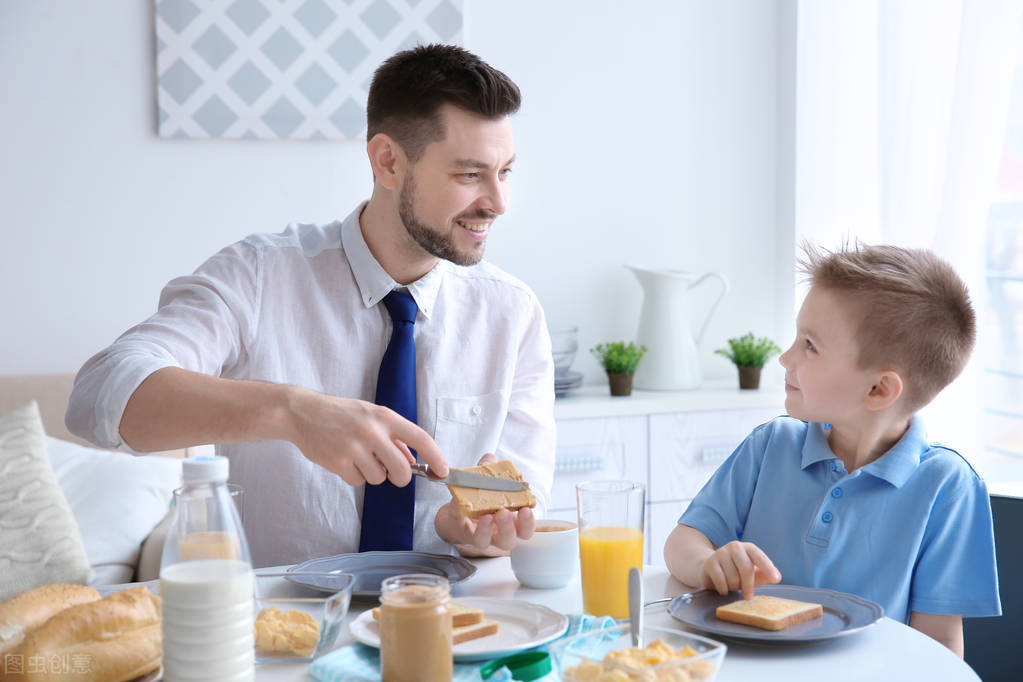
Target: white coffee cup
(550, 558)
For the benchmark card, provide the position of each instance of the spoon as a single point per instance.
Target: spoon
(636, 606)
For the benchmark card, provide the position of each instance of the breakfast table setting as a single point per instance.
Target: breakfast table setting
(884, 650)
(572, 602)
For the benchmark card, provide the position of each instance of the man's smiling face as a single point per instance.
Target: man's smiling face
(452, 195)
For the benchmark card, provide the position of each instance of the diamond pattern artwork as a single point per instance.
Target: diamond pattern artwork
(283, 69)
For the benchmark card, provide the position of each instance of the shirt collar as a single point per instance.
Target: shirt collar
(373, 281)
(899, 463)
(894, 466)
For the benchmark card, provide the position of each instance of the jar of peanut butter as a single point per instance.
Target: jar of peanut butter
(415, 629)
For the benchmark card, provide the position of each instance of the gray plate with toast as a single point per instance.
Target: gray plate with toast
(844, 614)
(371, 568)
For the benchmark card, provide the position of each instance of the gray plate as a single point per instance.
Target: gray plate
(843, 615)
(371, 568)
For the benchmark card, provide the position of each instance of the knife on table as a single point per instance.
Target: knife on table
(468, 479)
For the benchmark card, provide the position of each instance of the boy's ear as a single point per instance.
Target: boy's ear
(387, 159)
(886, 390)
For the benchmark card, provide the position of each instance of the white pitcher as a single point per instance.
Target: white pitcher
(672, 362)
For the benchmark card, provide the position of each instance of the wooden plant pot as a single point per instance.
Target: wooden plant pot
(749, 377)
(621, 384)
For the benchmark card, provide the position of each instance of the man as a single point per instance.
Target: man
(273, 348)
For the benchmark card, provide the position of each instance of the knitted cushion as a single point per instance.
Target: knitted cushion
(39, 539)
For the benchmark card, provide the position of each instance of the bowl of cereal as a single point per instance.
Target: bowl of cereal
(295, 622)
(667, 655)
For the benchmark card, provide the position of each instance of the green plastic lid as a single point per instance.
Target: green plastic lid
(531, 665)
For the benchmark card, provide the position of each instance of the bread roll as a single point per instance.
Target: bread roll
(24, 612)
(475, 502)
(111, 640)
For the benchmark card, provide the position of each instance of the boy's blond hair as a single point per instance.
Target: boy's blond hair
(915, 315)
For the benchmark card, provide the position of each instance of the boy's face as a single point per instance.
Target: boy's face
(823, 382)
(453, 194)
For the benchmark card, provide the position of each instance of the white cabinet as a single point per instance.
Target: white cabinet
(671, 442)
(686, 448)
(609, 448)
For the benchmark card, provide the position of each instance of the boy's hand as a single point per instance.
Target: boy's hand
(738, 566)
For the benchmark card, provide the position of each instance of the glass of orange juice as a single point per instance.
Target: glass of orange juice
(610, 543)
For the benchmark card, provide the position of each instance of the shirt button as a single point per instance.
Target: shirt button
(834, 467)
(837, 492)
(827, 516)
(476, 409)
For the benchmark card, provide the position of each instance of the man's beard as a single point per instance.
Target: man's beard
(434, 242)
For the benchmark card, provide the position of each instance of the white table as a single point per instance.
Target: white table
(886, 651)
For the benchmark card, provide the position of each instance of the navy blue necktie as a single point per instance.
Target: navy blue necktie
(387, 510)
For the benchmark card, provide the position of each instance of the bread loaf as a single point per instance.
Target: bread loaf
(25, 612)
(110, 640)
(475, 502)
(769, 613)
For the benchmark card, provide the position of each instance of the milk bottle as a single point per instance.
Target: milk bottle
(206, 582)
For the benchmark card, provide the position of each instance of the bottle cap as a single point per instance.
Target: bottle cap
(531, 665)
(204, 470)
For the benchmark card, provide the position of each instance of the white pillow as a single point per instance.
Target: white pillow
(39, 541)
(117, 500)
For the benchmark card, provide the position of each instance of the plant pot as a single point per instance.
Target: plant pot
(749, 377)
(621, 383)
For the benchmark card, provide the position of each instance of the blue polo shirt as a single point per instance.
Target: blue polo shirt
(911, 530)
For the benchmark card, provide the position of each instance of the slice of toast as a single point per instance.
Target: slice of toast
(475, 502)
(467, 632)
(461, 614)
(769, 613)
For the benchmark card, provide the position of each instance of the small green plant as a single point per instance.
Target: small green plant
(619, 357)
(747, 351)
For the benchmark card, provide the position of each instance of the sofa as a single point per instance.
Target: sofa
(112, 506)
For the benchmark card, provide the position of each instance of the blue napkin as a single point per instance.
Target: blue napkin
(361, 663)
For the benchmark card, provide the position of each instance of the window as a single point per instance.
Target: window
(1001, 334)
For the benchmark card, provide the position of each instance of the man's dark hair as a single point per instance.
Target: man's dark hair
(409, 88)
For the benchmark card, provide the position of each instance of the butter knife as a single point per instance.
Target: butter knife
(469, 479)
(636, 606)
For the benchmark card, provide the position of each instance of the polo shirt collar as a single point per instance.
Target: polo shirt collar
(373, 281)
(899, 463)
(894, 466)
(815, 447)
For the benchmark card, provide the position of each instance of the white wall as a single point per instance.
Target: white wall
(648, 134)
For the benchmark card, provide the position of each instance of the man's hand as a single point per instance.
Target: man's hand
(359, 441)
(738, 565)
(488, 535)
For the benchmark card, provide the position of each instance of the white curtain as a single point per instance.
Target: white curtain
(901, 113)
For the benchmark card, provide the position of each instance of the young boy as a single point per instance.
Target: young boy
(846, 493)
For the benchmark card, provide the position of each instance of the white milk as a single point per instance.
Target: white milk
(200, 594)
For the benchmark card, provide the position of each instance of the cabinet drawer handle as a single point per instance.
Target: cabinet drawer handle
(577, 464)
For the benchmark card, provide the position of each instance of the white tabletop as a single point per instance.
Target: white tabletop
(886, 651)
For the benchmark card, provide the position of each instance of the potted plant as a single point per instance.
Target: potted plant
(619, 360)
(749, 354)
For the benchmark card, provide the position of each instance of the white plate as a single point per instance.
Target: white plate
(522, 625)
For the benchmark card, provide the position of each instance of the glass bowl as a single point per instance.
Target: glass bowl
(564, 344)
(582, 657)
(295, 623)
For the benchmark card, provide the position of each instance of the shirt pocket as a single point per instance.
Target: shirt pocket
(469, 427)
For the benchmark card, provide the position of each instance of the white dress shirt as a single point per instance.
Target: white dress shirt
(301, 308)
